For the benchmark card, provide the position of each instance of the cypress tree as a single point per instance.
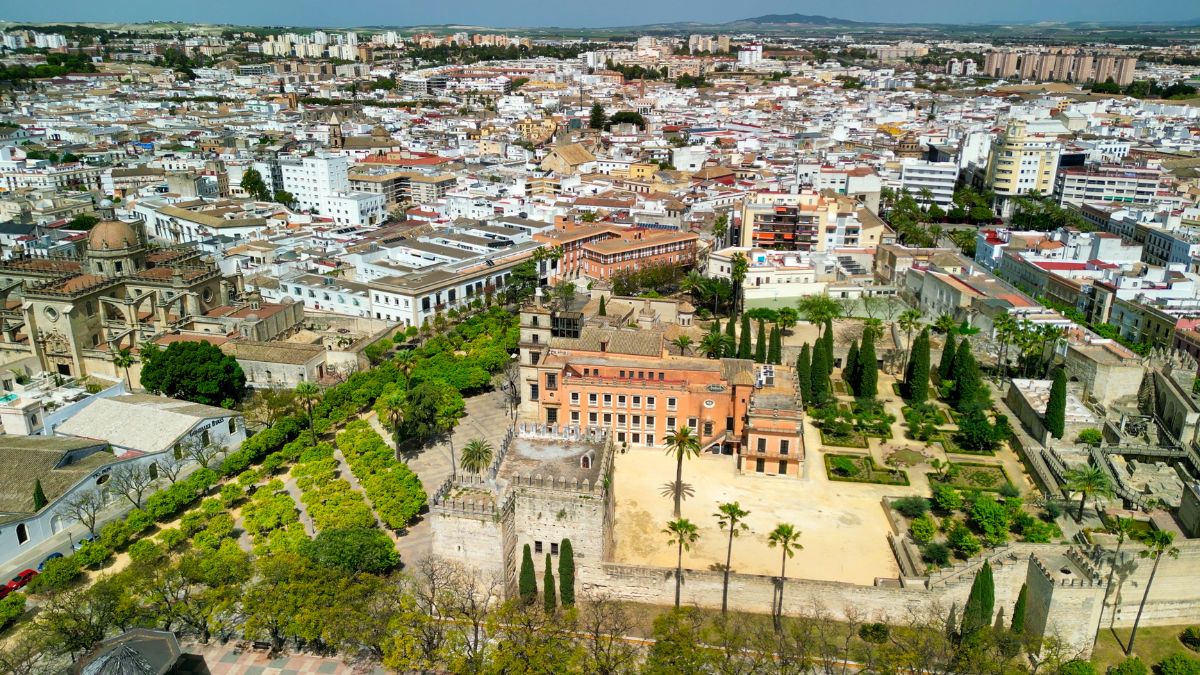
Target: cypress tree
(819, 375)
(804, 374)
(760, 344)
(999, 625)
(731, 329)
(775, 349)
(745, 350)
(527, 582)
(917, 385)
(39, 496)
(827, 338)
(1018, 617)
(566, 574)
(947, 362)
(1056, 407)
(549, 595)
(977, 614)
(716, 326)
(850, 371)
(867, 372)
(603, 311)
(968, 393)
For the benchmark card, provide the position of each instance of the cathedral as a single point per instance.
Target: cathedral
(72, 315)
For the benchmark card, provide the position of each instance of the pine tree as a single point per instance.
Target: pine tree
(745, 350)
(603, 311)
(947, 362)
(850, 371)
(977, 614)
(775, 348)
(760, 344)
(917, 385)
(549, 595)
(804, 374)
(867, 372)
(969, 392)
(819, 375)
(566, 574)
(1056, 407)
(1018, 617)
(597, 118)
(39, 496)
(527, 582)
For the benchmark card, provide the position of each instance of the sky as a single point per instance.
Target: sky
(583, 13)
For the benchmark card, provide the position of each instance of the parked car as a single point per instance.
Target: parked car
(52, 556)
(18, 582)
(83, 540)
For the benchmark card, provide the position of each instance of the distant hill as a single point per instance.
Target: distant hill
(804, 19)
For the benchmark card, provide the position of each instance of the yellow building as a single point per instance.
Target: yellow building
(1021, 163)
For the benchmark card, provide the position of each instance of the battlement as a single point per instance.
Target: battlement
(1067, 578)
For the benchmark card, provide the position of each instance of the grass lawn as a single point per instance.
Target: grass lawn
(907, 457)
(868, 472)
(853, 440)
(1154, 643)
(971, 476)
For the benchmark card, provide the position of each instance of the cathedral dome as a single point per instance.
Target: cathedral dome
(112, 235)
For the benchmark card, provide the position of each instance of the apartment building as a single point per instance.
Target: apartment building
(1021, 163)
(806, 221)
(321, 184)
(402, 187)
(1109, 183)
(637, 249)
(939, 178)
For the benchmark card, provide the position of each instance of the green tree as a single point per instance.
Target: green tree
(1088, 481)
(679, 645)
(819, 385)
(1056, 407)
(390, 407)
(286, 198)
(819, 309)
(745, 350)
(713, 345)
(476, 455)
(681, 533)
(868, 368)
(760, 344)
(946, 365)
(527, 582)
(566, 573)
(917, 382)
(1158, 543)
(850, 371)
(787, 318)
(194, 371)
(804, 374)
(252, 183)
(730, 516)
(353, 550)
(681, 444)
(827, 345)
(1018, 618)
(597, 119)
(969, 392)
(683, 343)
(977, 613)
(1123, 529)
(549, 594)
(603, 310)
(123, 359)
(731, 331)
(739, 267)
(787, 538)
(308, 394)
(775, 349)
(39, 495)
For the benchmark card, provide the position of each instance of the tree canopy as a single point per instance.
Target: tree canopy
(194, 371)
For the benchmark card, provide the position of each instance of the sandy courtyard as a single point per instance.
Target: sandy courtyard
(843, 524)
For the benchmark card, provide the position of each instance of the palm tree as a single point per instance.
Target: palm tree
(1158, 543)
(683, 444)
(309, 394)
(123, 359)
(945, 324)
(737, 274)
(909, 320)
(1122, 528)
(694, 283)
(1006, 331)
(684, 343)
(732, 516)
(721, 227)
(1087, 481)
(713, 345)
(446, 421)
(787, 538)
(389, 407)
(405, 360)
(681, 533)
(476, 455)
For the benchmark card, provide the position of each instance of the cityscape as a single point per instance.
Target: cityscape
(600, 339)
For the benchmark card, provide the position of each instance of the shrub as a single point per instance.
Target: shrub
(146, 551)
(963, 541)
(56, 575)
(1090, 437)
(936, 554)
(1130, 666)
(172, 537)
(11, 609)
(1178, 664)
(115, 535)
(1190, 638)
(844, 466)
(1009, 491)
(947, 498)
(877, 633)
(92, 554)
(911, 507)
(138, 521)
(1052, 510)
(923, 528)
(230, 494)
(1077, 667)
(394, 490)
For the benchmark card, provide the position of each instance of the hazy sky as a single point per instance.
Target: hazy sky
(583, 13)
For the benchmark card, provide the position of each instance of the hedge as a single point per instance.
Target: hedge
(11, 609)
(392, 487)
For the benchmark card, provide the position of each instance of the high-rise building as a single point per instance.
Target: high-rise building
(1021, 163)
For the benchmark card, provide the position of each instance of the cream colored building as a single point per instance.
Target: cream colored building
(1021, 163)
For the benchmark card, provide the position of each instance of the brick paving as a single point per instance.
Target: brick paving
(232, 659)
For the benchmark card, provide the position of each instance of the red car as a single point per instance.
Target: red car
(18, 582)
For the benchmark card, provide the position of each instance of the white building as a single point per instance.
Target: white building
(937, 177)
(321, 184)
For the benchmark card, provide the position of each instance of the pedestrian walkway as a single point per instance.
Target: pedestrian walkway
(231, 659)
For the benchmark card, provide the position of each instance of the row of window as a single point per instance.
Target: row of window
(634, 401)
